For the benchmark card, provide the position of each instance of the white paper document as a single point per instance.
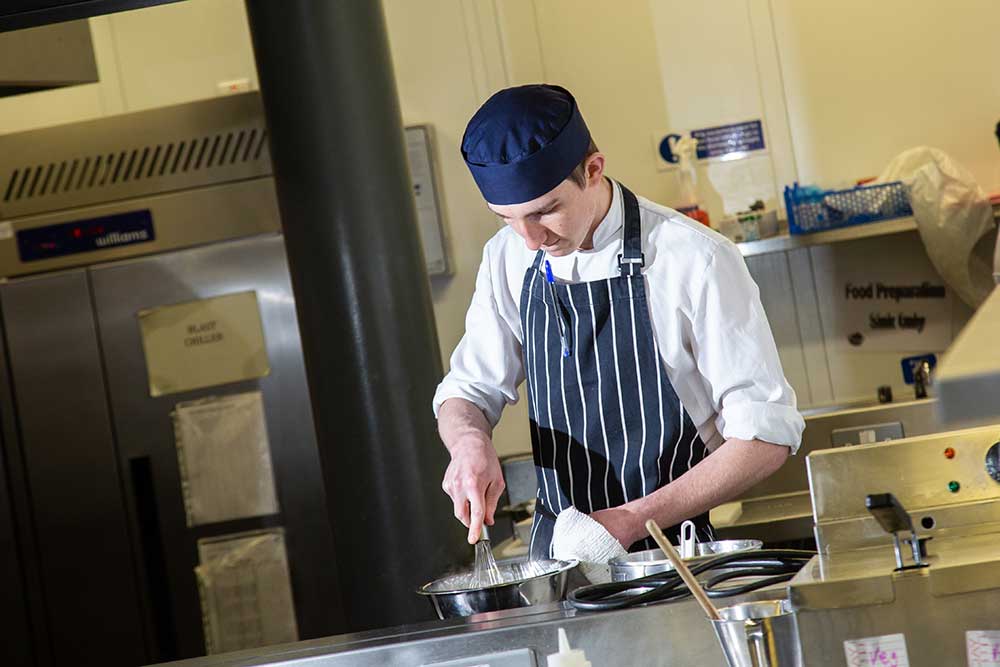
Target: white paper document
(245, 589)
(225, 458)
(884, 651)
(983, 648)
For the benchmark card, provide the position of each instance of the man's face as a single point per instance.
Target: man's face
(558, 222)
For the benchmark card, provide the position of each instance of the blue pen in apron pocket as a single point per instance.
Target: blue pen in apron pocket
(563, 336)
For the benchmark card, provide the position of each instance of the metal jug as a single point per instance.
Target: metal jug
(759, 634)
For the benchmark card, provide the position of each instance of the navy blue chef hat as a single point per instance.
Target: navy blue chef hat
(523, 142)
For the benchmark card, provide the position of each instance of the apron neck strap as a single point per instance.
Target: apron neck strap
(538, 260)
(631, 261)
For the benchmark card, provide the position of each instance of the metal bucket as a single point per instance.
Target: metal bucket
(759, 634)
(642, 563)
(525, 583)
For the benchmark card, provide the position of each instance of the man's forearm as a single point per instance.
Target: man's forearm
(729, 471)
(461, 420)
(473, 480)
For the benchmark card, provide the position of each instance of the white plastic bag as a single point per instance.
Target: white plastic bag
(954, 217)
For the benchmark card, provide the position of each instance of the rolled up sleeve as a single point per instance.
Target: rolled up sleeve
(486, 367)
(737, 357)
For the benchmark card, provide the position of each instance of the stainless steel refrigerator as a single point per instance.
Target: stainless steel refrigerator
(162, 491)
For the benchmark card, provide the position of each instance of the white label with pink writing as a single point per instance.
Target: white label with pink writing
(983, 648)
(885, 651)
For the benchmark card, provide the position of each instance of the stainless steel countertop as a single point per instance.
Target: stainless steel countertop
(628, 636)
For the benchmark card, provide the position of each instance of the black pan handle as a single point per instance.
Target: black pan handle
(889, 513)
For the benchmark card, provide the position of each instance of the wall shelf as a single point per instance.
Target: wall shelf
(787, 241)
(854, 232)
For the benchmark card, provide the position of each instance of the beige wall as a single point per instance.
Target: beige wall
(865, 81)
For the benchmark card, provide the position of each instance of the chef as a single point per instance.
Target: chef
(654, 387)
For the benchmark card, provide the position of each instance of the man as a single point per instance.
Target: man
(654, 386)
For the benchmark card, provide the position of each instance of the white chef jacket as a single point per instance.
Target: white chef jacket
(713, 336)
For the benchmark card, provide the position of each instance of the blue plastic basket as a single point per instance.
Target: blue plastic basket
(814, 210)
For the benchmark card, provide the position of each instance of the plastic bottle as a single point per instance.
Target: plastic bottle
(567, 657)
(688, 204)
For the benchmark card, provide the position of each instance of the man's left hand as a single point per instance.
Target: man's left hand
(624, 525)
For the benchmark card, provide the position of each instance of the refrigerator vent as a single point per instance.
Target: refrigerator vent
(160, 161)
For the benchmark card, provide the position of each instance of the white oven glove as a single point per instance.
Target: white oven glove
(578, 536)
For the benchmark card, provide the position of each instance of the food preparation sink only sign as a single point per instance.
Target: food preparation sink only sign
(203, 343)
(882, 295)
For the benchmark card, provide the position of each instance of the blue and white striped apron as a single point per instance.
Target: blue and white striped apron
(606, 424)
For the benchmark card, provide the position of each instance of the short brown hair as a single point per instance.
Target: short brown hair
(578, 175)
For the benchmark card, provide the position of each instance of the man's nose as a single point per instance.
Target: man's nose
(534, 235)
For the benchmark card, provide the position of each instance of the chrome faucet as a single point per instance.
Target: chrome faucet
(921, 378)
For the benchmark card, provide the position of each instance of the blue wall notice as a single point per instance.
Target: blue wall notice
(728, 139)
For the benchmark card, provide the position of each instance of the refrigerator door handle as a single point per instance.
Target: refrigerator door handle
(154, 564)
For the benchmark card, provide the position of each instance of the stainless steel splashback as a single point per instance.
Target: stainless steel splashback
(941, 480)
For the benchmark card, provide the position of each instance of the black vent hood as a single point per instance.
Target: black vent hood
(46, 57)
(46, 43)
(18, 14)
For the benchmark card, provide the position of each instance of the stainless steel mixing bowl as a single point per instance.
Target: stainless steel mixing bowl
(651, 561)
(525, 583)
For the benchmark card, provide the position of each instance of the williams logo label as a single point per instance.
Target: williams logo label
(79, 236)
(121, 238)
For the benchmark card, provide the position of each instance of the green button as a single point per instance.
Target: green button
(954, 486)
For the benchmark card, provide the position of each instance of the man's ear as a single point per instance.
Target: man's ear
(594, 169)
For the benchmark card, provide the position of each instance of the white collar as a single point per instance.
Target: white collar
(607, 230)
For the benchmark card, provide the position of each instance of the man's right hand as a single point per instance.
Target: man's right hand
(474, 481)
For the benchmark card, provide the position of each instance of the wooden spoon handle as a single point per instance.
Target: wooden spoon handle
(682, 569)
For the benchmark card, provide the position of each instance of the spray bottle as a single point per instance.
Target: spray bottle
(688, 204)
(567, 657)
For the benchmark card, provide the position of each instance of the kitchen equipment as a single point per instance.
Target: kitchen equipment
(168, 208)
(652, 561)
(861, 594)
(567, 657)
(762, 634)
(524, 583)
(778, 510)
(759, 634)
(672, 635)
(758, 569)
(682, 570)
(689, 541)
(485, 572)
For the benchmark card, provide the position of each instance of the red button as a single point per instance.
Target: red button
(949, 453)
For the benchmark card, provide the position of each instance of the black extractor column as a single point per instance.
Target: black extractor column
(362, 297)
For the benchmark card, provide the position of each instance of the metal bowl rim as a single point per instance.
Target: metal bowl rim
(565, 566)
(623, 561)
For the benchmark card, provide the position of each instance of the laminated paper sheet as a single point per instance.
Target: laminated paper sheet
(246, 594)
(225, 458)
(203, 343)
